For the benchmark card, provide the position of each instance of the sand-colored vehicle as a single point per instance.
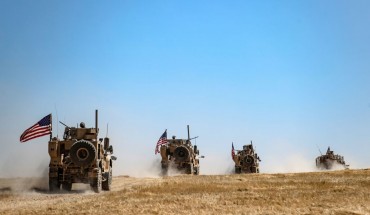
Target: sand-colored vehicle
(180, 154)
(80, 158)
(246, 160)
(330, 161)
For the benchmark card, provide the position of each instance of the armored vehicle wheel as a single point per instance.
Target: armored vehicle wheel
(164, 171)
(190, 169)
(196, 171)
(253, 169)
(96, 183)
(82, 152)
(54, 184)
(238, 170)
(67, 186)
(106, 185)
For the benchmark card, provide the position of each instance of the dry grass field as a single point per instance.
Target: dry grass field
(333, 192)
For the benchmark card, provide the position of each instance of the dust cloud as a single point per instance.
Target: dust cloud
(136, 166)
(336, 166)
(26, 184)
(293, 163)
(148, 169)
(216, 164)
(24, 168)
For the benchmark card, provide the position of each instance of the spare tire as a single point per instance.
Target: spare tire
(248, 159)
(82, 153)
(181, 154)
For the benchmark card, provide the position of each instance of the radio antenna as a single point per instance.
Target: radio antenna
(56, 110)
(318, 149)
(107, 131)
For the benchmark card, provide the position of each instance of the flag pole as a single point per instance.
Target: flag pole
(51, 126)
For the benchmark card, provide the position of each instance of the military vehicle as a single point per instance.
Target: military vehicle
(181, 154)
(80, 158)
(246, 160)
(330, 160)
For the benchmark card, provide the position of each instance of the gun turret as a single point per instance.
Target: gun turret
(66, 130)
(63, 124)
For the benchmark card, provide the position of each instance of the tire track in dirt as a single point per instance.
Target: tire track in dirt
(13, 196)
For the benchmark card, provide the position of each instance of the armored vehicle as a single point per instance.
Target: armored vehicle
(246, 160)
(80, 158)
(330, 160)
(181, 154)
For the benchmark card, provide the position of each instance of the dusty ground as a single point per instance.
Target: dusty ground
(334, 192)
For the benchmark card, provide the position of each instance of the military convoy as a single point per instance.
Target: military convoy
(180, 154)
(80, 158)
(330, 160)
(246, 160)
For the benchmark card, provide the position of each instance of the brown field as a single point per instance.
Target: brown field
(333, 192)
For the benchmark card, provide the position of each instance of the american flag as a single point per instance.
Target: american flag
(232, 151)
(162, 140)
(41, 128)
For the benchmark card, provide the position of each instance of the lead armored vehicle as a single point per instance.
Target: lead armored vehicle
(246, 160)
(330, 160)
(180, 154)
(80, 157)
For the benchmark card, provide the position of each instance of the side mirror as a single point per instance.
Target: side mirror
(113, 158)
(201, 156)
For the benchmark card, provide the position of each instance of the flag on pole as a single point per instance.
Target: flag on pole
(41, 128)
(232, 151)
(162, 140)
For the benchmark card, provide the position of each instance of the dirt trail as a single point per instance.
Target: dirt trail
(24, 195)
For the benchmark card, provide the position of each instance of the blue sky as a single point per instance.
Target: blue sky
(289, 75)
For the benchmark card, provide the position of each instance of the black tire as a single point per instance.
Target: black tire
(253, 170)
(96, 183)
(190, 169)
(238, 170)
(196, 171)
(181, 154)
(164, 170)
(106, 185)
(82, 153)
(67, 186)
(54, 185)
